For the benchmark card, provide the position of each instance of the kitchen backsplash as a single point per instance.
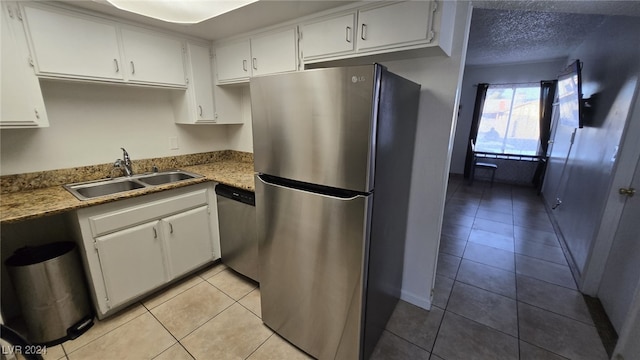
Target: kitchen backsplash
(43, 179)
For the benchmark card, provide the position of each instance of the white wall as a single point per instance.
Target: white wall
(90, 122)
(440, 78)
(611, 58)
(241, 136)
(495, 74)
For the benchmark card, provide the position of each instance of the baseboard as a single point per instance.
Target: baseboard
(416, 300)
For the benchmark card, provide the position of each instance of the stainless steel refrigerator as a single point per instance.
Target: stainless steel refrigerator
(333, 151)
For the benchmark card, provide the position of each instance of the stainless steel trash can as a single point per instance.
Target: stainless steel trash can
(50, 287)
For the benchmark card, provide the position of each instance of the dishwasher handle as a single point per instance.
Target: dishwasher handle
(229, 192)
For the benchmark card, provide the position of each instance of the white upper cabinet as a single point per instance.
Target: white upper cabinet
(390, 28)
(328, 37)
(394, 25)
(21, 102)
(261, 54)
(196, 106)
(153, 58)
(78, 46)
(68, 45)
(274, 53)
(202, 82)
(232, 61)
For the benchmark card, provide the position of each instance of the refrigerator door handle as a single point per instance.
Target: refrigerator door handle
(344, 198)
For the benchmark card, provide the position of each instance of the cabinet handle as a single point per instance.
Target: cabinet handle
(133, 68)
(200, 109)
(255, 64)
(347, 35)
(155, 233)
(170, 228)
(244, 65)
(363, 32)
(115, 61)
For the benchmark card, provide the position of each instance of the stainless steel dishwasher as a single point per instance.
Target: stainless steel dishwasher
(238, 237)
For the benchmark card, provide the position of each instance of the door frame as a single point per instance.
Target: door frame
(627, 158)
(628, 338)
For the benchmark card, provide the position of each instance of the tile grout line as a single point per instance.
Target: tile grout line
(259, 346)
(117, 327)
(515, 275)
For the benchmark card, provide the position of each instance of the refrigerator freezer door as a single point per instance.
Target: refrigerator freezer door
(312, 249)
(316, 126)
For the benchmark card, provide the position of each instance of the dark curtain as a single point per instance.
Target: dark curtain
(547, 96)
(475, 123)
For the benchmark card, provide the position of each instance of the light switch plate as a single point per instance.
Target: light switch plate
(173, 143)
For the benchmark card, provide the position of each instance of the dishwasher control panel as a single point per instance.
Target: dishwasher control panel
(244, 196)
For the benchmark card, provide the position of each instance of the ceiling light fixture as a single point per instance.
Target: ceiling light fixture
(180, 11)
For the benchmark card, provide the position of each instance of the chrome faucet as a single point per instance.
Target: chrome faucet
(125, 163)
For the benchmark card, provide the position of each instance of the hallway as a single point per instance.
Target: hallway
(503, 288)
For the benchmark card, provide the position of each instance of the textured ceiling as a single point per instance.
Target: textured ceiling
(601, 7)
(511, 36)
(505, 31)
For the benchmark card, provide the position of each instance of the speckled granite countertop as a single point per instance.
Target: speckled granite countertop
(33, 203)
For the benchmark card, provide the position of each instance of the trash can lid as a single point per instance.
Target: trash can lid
(30, 255)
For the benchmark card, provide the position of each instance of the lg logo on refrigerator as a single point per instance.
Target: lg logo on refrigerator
(357, 79)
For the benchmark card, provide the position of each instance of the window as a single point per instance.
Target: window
(510, 120)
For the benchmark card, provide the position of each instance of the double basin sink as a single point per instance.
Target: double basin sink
(97, 188)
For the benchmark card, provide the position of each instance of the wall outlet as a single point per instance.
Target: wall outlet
(173, 143)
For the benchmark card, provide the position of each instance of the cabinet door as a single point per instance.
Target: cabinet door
(274, 53)
(200, 82)
(132, 262)
(188, 238)
(66, 44)
(21, 97)
(232, 61)
(153, 58)
(392, 25)
(328, 37)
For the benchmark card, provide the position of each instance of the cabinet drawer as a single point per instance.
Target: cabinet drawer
(129, 216)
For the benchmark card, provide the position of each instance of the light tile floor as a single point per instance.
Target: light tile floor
(503, 291)
(503, 287)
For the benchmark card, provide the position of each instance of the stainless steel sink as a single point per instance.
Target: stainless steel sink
(166, 177)
(107, 188)
(94, 189)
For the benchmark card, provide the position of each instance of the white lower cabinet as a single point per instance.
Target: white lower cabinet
(132, 247)
(132, 262)
(187, 240)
